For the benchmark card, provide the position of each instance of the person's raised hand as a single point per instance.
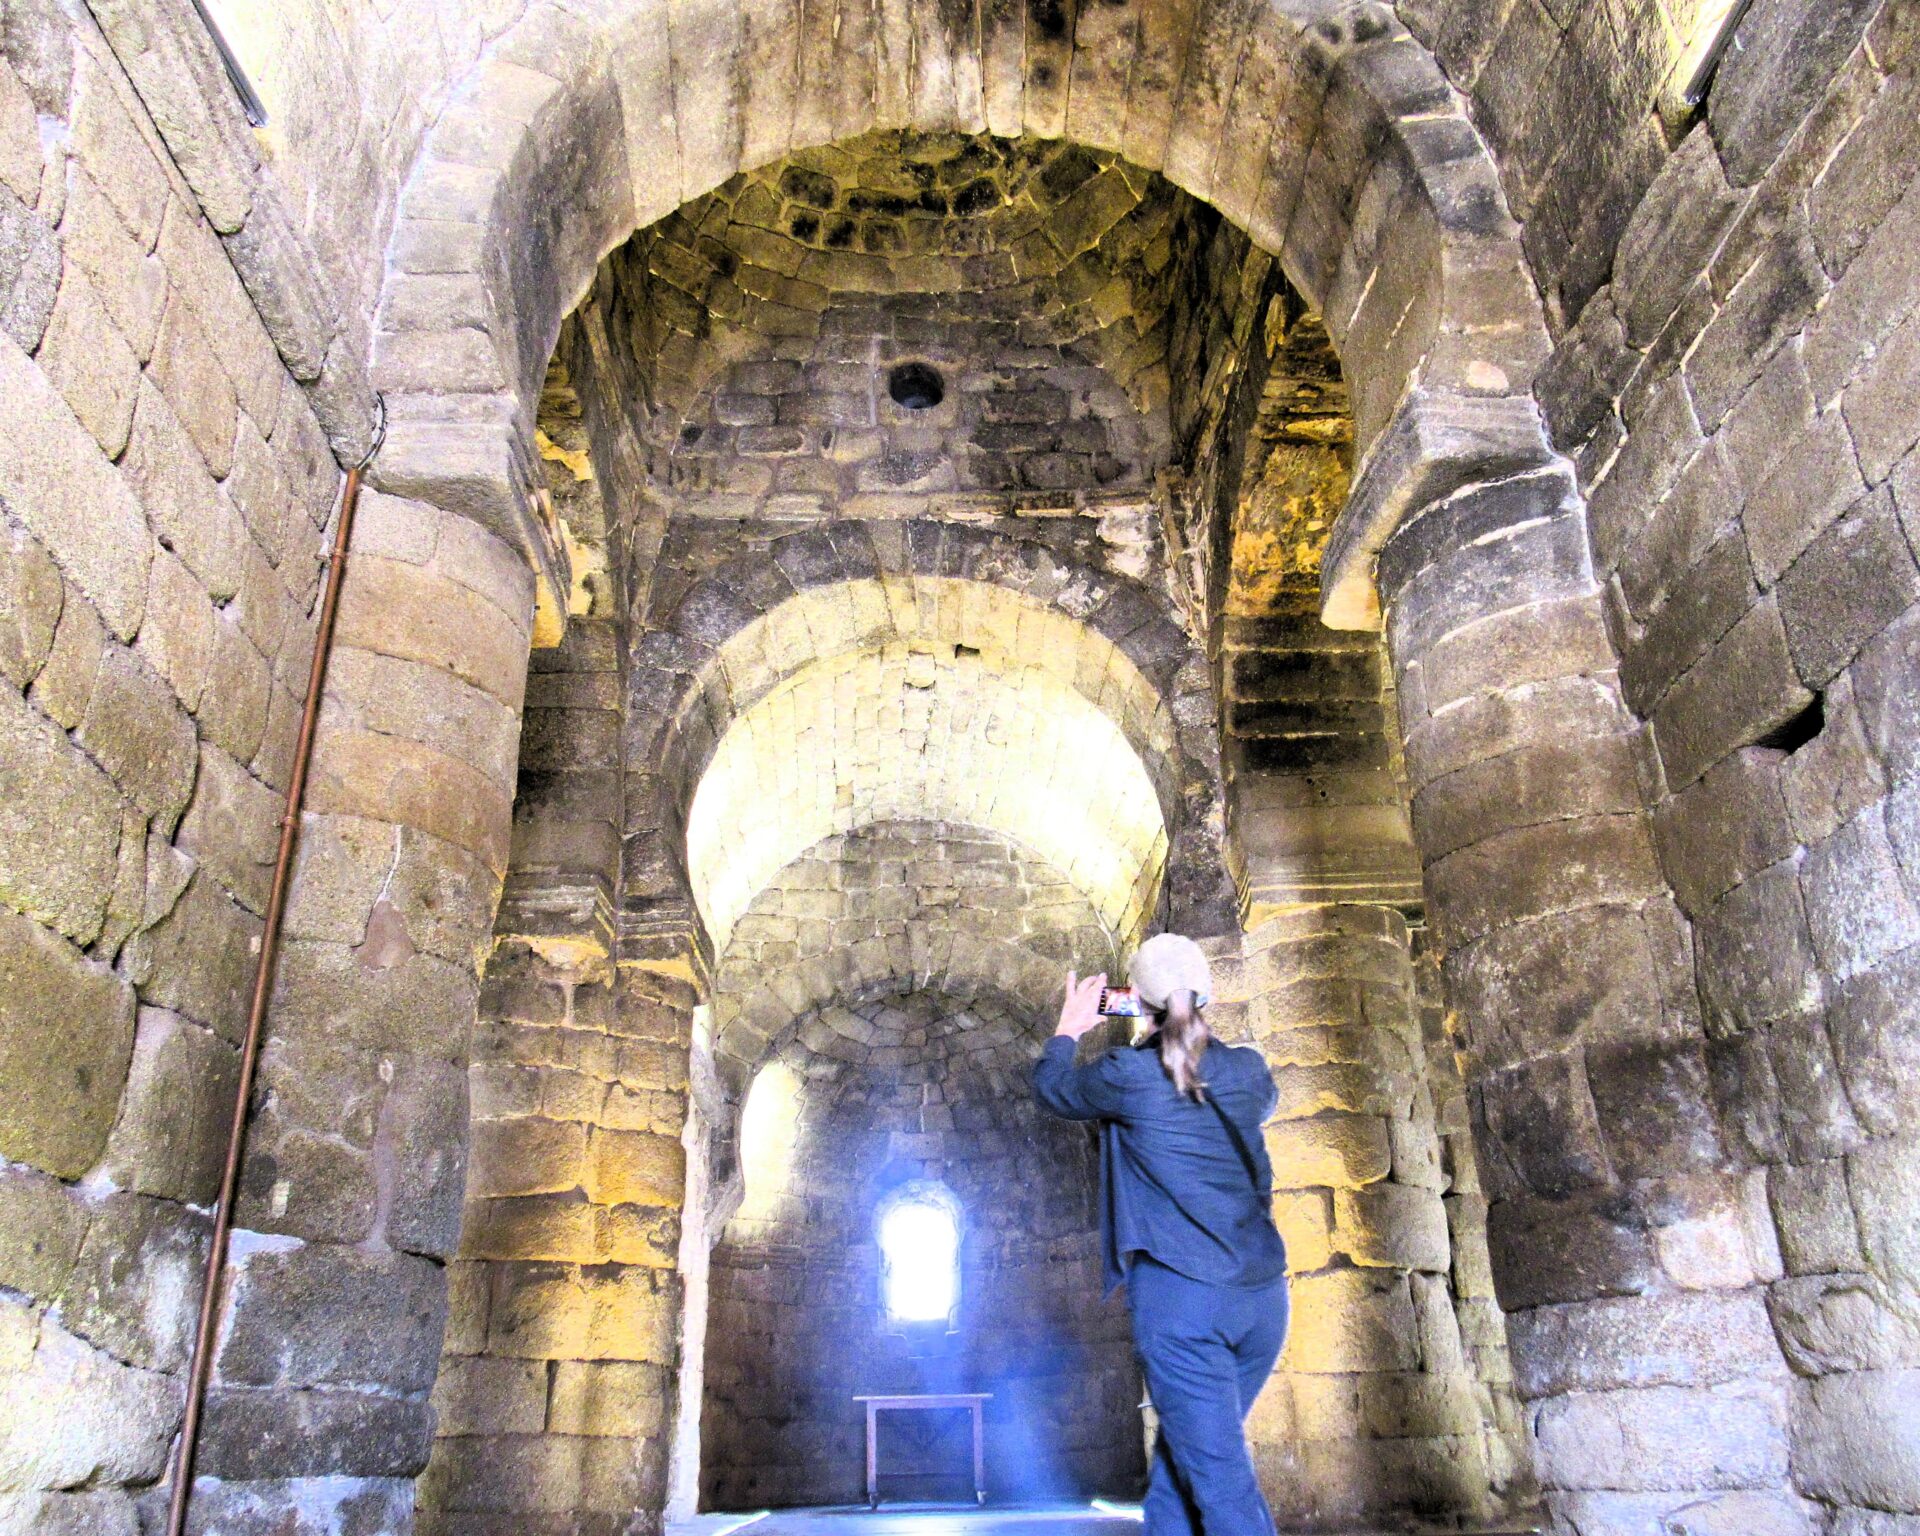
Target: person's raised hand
(1080, 1011)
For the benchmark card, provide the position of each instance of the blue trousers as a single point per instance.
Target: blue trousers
(1206, 1351)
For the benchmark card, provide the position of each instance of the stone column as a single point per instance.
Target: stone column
(350, 1199)
(1626, 1236)
(555, 1390)
(1375, 1412)
(1378, 1412)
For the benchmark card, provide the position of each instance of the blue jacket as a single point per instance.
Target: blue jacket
(1173, 1185)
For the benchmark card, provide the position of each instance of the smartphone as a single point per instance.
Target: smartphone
(1121, 1003)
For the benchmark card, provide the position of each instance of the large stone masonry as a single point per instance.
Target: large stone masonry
(165, 491)
(1739, 398)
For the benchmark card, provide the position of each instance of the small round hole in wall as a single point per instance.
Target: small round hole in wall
(916, 387)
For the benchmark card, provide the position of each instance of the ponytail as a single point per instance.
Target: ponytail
(1183, 1041)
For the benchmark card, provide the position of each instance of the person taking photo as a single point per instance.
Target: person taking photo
(1186, 1225)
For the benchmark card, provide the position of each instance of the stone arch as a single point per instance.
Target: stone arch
(754, 626)
(1369, 182)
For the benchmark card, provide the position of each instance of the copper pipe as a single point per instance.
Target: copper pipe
(202, 1367)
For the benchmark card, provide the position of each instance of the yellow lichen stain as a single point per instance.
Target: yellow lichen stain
(584, 560)
(577, 460)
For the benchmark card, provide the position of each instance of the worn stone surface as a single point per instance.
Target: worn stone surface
(1677, 967)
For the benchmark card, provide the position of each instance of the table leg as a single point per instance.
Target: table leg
(873, 1464)
(979, 1459)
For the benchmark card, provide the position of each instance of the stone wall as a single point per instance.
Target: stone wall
(165, 493)
(798, 1324)
(918, 1070)
(1739, 396)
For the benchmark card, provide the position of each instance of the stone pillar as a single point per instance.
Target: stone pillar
(349, 1205)
(1375, 1412)
(1627, 1238)
(555, 1391)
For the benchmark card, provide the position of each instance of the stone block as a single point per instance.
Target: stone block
(1880, 1179)
(30, 269)
(422, 1140)
(1671, 236)
(528, 1156)
(239, 692)
(1831, 779)
(232, 827)
(1856, 1439)
(1611, 972)
(253, 1434)
(1654, 1108)
(197, 958)
(132, 287)
(195, 517)
(395, 609)
(1856, 578)
(1743, 689)
(66, 1034)
(1883, 432)
(85, 357)
(1886, 681)
(1814, 1217)
(635, 1167)
(1543, 781)
(421, 702)
(1664, 1438)
(1338, 1151)
(1781, 66)
(1542, 1127)
(1843, 1322)
(1577, 1249)
(171, 1133)
(474, 1395)
(54, 480)
(134, 1288)
(176, 636)
(421, 1006)
(1757, 957)
(322, 1315)
(1701, 604)
(1348, 1320)
(1768, 305)
(72, 1415)
(1533, 871)
(1875, 1028)
(65, 685)
(1392, 1226)
(1858, 910)
(41, 1224)
(1305, 1223)
(1531, 644)
(608, 1397)
(1728, 824)
(1692, 1339)
(59, 824)
(107, 1512)
(364, 773)
(136, 730)
(31, 595)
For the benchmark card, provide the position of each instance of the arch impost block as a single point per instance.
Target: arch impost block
(1435, 444)
(665, 937)
(483, 470)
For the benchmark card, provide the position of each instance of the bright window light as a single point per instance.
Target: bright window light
(769, 1133)
(920, 1260)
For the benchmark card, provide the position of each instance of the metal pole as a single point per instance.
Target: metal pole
(202, 1366)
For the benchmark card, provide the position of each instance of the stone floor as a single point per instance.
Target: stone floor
(940, 1520)
(919, 1520)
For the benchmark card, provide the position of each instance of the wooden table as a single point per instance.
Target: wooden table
(878, 1403)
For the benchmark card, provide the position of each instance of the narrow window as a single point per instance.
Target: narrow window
(920, 1256)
